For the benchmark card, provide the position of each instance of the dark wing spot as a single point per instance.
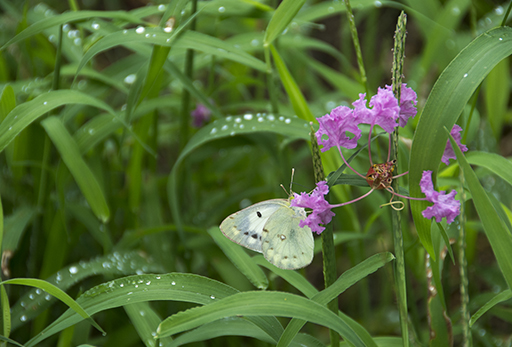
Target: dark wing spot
(254, 236)
(246, 233)
(294, 257)
(267, 241)
(258, 213)
(285, 257)
(260, 237)
(265, 230)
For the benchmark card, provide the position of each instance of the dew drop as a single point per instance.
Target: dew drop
(498, 10)
(238, 120)
(31, 296)
(168, 40)
(247, 116)
(173, 283)
(330, 9)
(232, 133)
(465, 75)
(91, 132)
(121, 285)
(242, 126)
(501, 39)
(125, 31)
(147, 35)
(168, 29)
(10, 128)
(222, 9)
(129, 293)
(23, 304)
(158, 277)
(281, 118)
(52, 38)
(271, 117)
(254, 42)
(47, 297)
(142, 313)
(95, 26)
(66, 27)
(38, 291)
(377, 4)
(229, 118)
(260, 119)
(224, 127)
(140, 30)
(161, 8)
(77, 41)
(213, 131)
(212, 297)
(130, 79)
(287, 120)
(148, 283)
(455, 11)
(23, 318)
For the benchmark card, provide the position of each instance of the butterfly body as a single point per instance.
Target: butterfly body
(272, 227)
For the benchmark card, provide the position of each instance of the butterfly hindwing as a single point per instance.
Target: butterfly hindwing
(245, 227)
(285, 243)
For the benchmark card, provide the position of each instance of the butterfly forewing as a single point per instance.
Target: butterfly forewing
(285, 243)
(245, 227)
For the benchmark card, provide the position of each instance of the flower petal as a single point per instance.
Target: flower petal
(445, 205)
(321, 213)
(449, 152)
(335, 125)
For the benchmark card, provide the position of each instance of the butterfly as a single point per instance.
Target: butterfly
(272, 227)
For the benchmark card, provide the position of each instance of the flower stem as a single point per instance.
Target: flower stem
(328, 251)
(463, 269)
(369, 145)
(348, 165)
(400, 279)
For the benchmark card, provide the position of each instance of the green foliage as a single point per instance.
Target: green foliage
(111, 194)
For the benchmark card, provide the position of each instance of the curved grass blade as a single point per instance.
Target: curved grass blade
(240, 259)
(258, 304)
(23, 115)
(145, 320)
(35, 302)
(503, 296)
(6, 339)
(56, 292)
(493, 162)
(444, 105)
(69, 17)
(281, 18)
(81, 172)
(497, 233)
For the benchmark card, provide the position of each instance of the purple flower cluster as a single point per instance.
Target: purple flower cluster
(200, 115)
(385, 112)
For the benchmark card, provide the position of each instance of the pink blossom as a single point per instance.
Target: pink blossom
(407, 104)
(384, 112)
(335, 125)
(321, 214)
(200, 115)
(448, 152)
(445, 205)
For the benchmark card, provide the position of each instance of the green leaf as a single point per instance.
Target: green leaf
(282, 17)
(444, 105)
(503, 296)
(68, 17)
(23, 115)
(240, 259)
(497, 92)
(16, 224)
(258, 304)
(56, 292)
(145, 320)
(140, 288)
(81, 172)
(300, 106)
(493, 162)
(497, 233)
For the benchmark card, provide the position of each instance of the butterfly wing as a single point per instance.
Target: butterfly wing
(245, 227)
(284, 243)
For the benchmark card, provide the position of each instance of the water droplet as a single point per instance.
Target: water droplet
(465, 75)
(168, 40)
(282, 237)
(161, 8)
(73, 269)
(48, 297)
(222, 9)
(129, 293)
(66, 27)
(501, 39)
(38, 291)
(130, 78)
(125, 31)
(242, 126)
(287, 120)
(281, 118)
(238, 120)
(455, 11)
(330, 9)
(121, 285)
(158, 277)
(140, 30)
(52, 38)
(23, 304)
(173, 283)
(77, 41)
(147, 35)
(232, 133)
(247, 116)
(23, 318)
(10, 128)
(142, 313)
(255, 42)
(167, 29)
(224, 127)
(213, 131)
(82, 84)
(271, 117)
(148, 283)
(377, 4)
(95, 26)
(212, 297)
(498, 10)
(31, 296)
(260, 119)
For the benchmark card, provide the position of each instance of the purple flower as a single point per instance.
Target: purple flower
(384, 112)
(448, 152)
(200, 115)
(407, 104)
(444, 205)
(335, 125)
(321, 214)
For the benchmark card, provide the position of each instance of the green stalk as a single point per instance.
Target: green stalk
(357, 45)
(400, 278)
(328, 252)
(270, 82)
(185, 97)
(463, 269)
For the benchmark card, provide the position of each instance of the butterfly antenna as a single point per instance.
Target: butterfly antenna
(291, 181)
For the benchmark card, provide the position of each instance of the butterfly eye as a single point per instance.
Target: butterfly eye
(258, 213)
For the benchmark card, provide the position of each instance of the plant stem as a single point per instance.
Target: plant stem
(185, 97)
(328, 252)
(400, 279)
(463, 269)
(357, 45)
